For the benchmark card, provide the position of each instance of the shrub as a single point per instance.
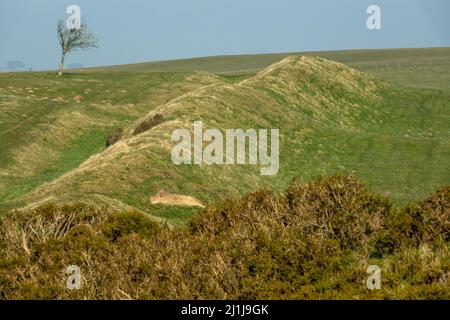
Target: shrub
(338, 207)
(126, 223)
(314, 241)
(115, 136)
(437, 210)
(417, 224)
(149, 123)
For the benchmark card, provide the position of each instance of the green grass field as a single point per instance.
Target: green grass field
(428, 67)
(387, 124)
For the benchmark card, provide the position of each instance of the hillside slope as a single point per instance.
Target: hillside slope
(331, 118)
(49, 126)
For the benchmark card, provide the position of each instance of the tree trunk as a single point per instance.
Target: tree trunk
(61, 64)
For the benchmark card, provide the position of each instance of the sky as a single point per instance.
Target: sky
(148, 30)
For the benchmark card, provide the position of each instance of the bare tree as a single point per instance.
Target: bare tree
(73, 39)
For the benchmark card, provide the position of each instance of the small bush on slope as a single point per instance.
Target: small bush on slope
(115, 136)
(314, 241)
(149, 123)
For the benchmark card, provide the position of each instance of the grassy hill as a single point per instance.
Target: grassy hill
(379, 119)
(49, 126)
(332, 118)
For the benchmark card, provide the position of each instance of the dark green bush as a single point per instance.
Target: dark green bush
(149, 123)
(115, 136)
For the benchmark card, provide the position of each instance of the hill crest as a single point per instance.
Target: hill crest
(297, 94)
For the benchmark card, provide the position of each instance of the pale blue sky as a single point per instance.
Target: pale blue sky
(144, 30)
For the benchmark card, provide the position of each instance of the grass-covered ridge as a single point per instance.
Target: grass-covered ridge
(86, 178)
(315, 240)
(331, 119)
(49, 126)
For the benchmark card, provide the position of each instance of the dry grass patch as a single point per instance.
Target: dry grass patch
(165, 197)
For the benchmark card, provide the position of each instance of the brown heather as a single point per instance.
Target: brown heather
(314, 241)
